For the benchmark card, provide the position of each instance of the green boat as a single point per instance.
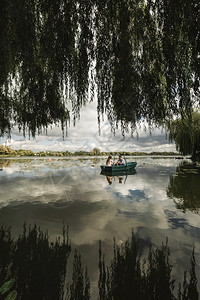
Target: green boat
(119, 173)
(116, 169)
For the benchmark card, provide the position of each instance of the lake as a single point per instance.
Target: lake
(162, 199)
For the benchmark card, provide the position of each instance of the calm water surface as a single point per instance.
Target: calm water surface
(161, 200)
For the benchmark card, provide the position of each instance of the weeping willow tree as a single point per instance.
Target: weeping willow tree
(141, 58)
(186, 134)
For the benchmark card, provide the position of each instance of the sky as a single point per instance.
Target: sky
(85, 136)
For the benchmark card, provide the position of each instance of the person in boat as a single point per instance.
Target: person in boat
(109, 161)
(121, 161)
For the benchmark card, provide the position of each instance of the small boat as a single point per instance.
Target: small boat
(114, 169)
(119, 173)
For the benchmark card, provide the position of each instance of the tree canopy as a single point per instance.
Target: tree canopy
(142, 58)
(186, 134)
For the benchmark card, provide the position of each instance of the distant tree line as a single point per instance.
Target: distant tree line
(7, 151)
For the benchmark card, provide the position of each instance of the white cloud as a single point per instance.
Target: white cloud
(85, 136)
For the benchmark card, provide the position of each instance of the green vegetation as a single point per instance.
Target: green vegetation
(8, 152)
(5, 290)
(186, 134)
(95, 152)
(142, 57)
(37, 266)
(8, 162)
(38, 269)
(128, 277)
(79, 288)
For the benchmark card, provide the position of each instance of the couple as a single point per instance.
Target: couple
(110, 162)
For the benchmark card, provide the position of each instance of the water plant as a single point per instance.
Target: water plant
(37, 265)
(130, 277)
(31, 267)
(6, 289)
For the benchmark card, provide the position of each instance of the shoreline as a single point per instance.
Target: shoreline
(177, 156)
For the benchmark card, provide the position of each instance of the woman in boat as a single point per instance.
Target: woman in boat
(109, 161)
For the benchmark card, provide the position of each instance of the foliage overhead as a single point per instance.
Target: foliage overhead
(142, 58)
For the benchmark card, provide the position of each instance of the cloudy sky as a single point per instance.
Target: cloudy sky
(85, 136)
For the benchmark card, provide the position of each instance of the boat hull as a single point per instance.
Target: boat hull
(119, 173)
(130, 166)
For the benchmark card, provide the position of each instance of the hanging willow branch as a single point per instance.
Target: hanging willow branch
(142, 56)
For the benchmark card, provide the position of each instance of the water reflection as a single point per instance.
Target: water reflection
(46, 192)
(119, 179)
(4, 163)
(109, 179)
(120, 176)
(184, 187)
(38, 266)
(128, 277)
(39, 269)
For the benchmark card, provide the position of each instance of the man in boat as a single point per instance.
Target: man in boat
(121, 161)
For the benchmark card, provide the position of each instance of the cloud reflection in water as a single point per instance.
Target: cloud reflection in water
(48, 193)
